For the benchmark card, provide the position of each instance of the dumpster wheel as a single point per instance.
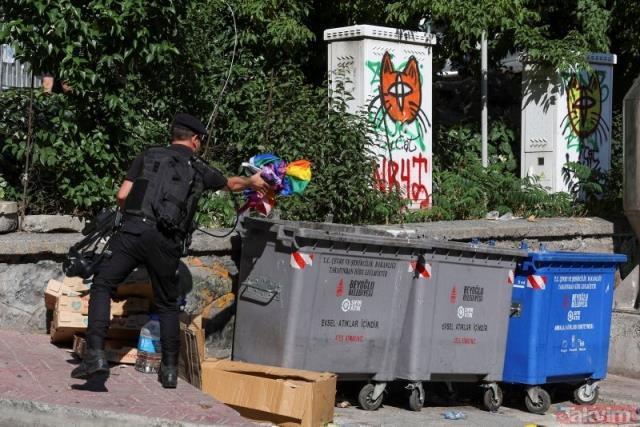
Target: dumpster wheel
(540, 403)
(416, 396)
(586, 394)
(492, 397)
(365, 398)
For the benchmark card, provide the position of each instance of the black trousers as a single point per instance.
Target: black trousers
(139, 244)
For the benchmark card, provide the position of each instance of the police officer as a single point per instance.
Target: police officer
(143, 240)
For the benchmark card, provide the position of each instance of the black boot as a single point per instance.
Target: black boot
(94, 362)
(168, 375)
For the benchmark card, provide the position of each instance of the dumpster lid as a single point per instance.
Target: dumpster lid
(371, 236)
(583, 257)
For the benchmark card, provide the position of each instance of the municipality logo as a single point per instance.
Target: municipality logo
(351, 305)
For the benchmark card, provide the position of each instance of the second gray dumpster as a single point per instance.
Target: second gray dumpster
(456, 322)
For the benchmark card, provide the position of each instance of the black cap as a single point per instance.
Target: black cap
(188, 121)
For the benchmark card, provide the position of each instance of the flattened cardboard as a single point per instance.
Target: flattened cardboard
(267, 393)
(192, 350)
(67, 324)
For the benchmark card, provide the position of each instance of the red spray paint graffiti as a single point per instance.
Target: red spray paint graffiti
(410, 175)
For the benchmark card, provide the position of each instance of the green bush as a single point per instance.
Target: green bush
(75, 165)
(463, 189)
(134, 64)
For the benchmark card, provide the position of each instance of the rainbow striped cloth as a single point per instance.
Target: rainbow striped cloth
(286, 179)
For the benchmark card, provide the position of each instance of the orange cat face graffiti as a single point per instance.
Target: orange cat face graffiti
(584, 104)
(401, 91)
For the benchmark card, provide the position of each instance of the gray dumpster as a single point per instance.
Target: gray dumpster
(322, 297)
(456, 323)
(366, 305)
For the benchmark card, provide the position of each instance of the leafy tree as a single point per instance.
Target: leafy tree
(625, 42)
(108, 52)
(113, 53)
(269, 107)
(545, 31)
(133, 64)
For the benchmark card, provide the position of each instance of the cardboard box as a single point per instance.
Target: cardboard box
(134, 321)
(289, 397)
(73, 304)
(75, 283)
(80, 304)
(66, 324)
(55, 289)
(117, 351)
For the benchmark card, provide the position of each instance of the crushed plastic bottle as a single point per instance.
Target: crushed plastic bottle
(493, 215)
(149, 353)
(454, 415)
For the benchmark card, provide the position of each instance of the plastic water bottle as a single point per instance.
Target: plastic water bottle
(149, 353)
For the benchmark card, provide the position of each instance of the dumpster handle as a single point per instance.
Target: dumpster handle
(287, 240)
(257, 294)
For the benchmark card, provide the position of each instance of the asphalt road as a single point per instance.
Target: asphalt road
(622, 392)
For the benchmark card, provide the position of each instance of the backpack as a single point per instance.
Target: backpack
(166, 191)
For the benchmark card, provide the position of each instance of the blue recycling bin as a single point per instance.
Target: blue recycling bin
(559, 325)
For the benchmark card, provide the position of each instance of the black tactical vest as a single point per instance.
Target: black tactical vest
(167, 190)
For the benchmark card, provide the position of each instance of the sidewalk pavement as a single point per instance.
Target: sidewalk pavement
(36, 389)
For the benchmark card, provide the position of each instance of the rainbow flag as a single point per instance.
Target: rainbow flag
(286, 179)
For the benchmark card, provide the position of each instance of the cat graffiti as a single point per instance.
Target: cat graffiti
(584, 127)
(396, 110)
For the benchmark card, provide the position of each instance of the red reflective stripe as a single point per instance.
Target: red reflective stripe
(424, 270)
(297, 258)
(537, 282)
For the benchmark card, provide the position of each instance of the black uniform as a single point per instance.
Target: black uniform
(140, 242)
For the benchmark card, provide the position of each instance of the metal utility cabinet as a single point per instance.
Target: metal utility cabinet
(385, 74)
(566, 118)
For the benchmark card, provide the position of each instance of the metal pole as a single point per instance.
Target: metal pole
(483, 71)
(1, 67)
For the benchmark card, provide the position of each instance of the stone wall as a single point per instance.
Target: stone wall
(29, 260)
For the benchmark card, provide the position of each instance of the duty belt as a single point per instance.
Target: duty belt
(140, 218)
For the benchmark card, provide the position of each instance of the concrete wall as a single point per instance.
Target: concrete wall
(29, 260)
(624, 351)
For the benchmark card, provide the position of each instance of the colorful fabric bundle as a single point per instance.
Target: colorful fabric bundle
(284, 178)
